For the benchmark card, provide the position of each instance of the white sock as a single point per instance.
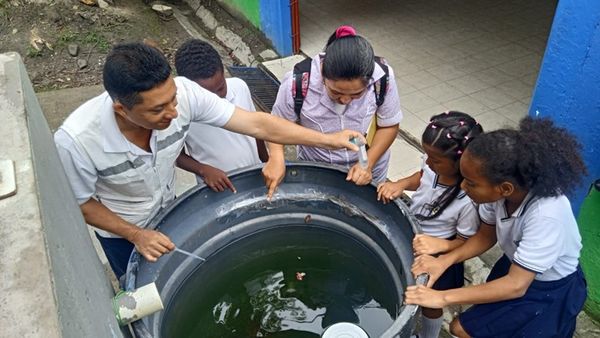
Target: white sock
(430, 327)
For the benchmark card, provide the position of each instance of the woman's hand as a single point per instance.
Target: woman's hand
(424, 244)
(359, 175)
(273, 173)
(389, 191)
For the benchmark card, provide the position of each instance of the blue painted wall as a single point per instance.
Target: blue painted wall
(272, 17)
(568, 87)
(276, 23)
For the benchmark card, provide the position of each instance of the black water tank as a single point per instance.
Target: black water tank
(314, 206)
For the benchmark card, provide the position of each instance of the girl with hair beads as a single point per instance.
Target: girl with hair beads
(519, 178)
(446, 215)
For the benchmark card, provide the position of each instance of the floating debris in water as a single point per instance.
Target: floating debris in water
(300, 275)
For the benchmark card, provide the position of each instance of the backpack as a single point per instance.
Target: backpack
(301, 78)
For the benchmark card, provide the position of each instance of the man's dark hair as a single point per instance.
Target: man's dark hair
(197, 60)
(131, 68)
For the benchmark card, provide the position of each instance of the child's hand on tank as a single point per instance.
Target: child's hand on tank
(359, 175)
(424, 296)
(151, 244)
(216, 179)
(430, 265)
(389, 191)
(423, 244)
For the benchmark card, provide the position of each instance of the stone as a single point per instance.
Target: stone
(73, 49)
(239, 49)
(208, 19)
(88, 2)
(163, 10)
(52, 14)
(82, 63)
(103, 4)
(268, 54)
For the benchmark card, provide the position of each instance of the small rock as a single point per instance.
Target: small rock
(73, 49)
(81, 63)
(53, 14)
(268, 54)
(162, 9)
(14, 31)
(103, 4)
(88, 2)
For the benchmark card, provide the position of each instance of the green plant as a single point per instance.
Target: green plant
(96, 39)
(32, 52)
(66, 36)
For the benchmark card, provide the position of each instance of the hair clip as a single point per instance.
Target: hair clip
(433, 126)
(344, 31)
(448, 135)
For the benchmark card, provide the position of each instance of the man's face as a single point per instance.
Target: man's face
(215, 84)
(156, 109)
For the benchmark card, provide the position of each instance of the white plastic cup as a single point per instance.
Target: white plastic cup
(344, 330)
(130, 306)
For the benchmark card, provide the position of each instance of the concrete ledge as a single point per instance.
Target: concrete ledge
(52, 282)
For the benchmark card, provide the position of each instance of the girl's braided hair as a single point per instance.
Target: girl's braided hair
(539, 157)
(450, 132)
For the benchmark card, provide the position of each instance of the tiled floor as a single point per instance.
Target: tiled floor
(477, 56)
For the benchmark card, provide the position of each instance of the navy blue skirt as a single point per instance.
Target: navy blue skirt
(548, 309)
(452, 278)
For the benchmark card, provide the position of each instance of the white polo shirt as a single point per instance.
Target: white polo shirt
(540, 236)
(101, 163)
(459, 218)
(221, 148)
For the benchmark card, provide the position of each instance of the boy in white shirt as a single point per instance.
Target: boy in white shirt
(200, 62)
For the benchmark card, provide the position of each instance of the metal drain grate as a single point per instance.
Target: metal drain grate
(263, 86)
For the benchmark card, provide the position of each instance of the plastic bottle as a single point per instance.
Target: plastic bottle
(363, 160)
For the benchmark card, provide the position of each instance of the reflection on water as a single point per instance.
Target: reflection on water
(256, 291)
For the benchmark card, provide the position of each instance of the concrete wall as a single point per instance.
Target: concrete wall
(272, 17)
(568, 87)
(52, 283)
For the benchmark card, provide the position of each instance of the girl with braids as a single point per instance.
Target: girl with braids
(519, 178)
(447, 216)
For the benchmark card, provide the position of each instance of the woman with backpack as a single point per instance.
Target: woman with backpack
(345, 87)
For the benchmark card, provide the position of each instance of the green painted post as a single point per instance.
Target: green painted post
(589, 226)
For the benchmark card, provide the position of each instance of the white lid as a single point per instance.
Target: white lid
(344, 330)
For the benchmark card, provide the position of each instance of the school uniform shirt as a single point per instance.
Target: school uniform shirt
(540, 236)
(101, 163)
(459, 218)
(320, 113)
(221, 148)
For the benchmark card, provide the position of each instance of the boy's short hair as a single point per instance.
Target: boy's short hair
(197, 60)
(131, 68)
